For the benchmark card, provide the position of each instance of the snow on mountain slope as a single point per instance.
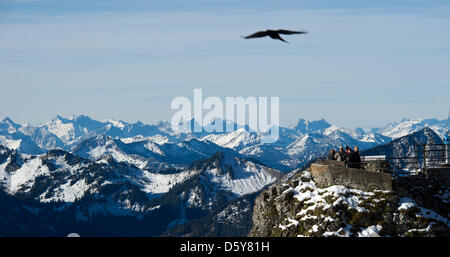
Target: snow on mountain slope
(9, 126)
(157, 139)
(157, 147)
(408, 126)
(146, 147)
(20, 142)
(301, 145)
(243, 177)
(334, 128)
(11, 135)
(270, 156)
(70, 129)
(66, 132)
(10, 143)
(375, 138)
(234, 140)
(61, 176)
(161, 183)
(118, 124)
(186, 152)
(102, 145)
(315, 145)
(295, 149)
(297, 145)
(24, 177)
(217, 180)
(300, 208)
(145, 154)
(405, 147)
(75, 129)
(42, 137)
(233, 174)
(358, 134)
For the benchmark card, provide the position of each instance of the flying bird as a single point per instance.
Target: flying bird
(274, 34)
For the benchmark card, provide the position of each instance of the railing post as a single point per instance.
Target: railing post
(424, 158)
(417, 164)
(446, 152)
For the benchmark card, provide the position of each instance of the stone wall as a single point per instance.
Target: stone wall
(326, 174)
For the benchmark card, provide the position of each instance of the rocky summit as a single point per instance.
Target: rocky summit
(297, 207)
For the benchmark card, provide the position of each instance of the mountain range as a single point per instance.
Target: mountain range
(80, 175)
(159, 147)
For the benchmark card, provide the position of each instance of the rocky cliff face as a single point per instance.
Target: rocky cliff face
(297, 207)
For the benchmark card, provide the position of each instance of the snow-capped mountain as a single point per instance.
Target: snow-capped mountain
(72, 128)
(59, 176)
(75, 129)
(92, 189)
(65, 133)
(304, 126)
(9, 126)
(304, 141)
(146, 154)
(405, 147)
(235, 140)
(218, 180)
(407, 126)
(13, 138)
(158, 147)
(416, 206)
(233, 174)
(78, 172)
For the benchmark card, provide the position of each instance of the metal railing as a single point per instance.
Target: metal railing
(425, 157)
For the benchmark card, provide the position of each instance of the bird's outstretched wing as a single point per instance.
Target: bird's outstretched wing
(257, 34)
(289, 32)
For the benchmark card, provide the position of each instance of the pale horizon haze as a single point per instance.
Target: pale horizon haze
(362, 63)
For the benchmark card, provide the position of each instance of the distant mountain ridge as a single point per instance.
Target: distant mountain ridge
(407, 126)
(106, 176)
(141, 143)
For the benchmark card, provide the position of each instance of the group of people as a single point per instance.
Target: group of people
(351, 157)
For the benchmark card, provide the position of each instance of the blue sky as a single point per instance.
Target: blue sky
(363, 63)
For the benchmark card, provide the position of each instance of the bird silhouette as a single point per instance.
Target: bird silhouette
(274, 34)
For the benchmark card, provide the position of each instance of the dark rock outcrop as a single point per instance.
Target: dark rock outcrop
(298, 207)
